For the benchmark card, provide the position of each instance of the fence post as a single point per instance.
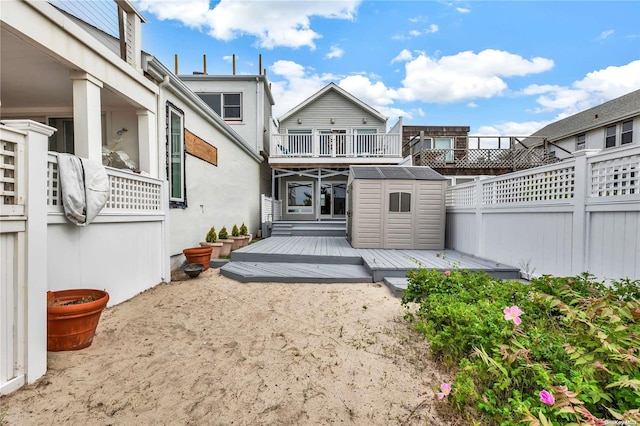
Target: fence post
(479, 249)
(579, 217)
(36, 286)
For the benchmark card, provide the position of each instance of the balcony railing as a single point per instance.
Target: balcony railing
(513, 159)
(319, 145)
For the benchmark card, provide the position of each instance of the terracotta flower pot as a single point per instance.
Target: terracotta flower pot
(71, 326)
(215, 249)
(226, 248)
(237, 242)
(198, 255)
(245, 240)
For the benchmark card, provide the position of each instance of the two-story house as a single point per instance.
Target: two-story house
(609, 125)
(316, 143)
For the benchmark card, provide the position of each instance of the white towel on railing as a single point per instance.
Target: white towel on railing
(84, 186)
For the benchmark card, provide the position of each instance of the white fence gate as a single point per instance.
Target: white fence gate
(579, 215)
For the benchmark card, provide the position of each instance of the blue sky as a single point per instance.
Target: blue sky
(501, 67)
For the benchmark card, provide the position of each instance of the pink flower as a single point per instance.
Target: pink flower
(513, 313)
(446, 390)
(447, 273)
(547, 398)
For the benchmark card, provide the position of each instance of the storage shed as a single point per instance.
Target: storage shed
(396, 207)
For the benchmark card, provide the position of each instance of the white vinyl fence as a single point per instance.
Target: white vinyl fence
(267, 216)
(579, 215)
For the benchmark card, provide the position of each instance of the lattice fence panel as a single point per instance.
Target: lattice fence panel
(132, 194)
(551, 185)
(8, 172)
(461, 197)
(53, 188)
(619, 176)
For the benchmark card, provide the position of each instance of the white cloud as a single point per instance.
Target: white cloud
(417, 19)
(466, 75)
(472, 105)
(335, 52)
(273, 23)
(463, 10)
(595, 88)
(605, 34)
(403, 56)
(510, 128)
(433, 28)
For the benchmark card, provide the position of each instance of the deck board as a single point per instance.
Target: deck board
(328, 259)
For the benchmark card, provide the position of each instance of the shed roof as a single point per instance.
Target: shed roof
(395, 172)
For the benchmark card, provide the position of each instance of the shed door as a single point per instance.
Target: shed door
(349, 212)
(399, 209)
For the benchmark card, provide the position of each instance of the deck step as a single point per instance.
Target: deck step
(396, 284)
(309, 228)
(295, 272)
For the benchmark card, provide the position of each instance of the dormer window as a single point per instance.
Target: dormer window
(226, 105)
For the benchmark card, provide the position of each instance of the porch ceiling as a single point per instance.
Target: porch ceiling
(32, 80)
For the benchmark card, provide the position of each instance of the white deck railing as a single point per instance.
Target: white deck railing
(581, 214)
(318, 145)
(129, 193)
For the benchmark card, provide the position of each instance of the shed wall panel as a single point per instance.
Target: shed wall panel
(367, 220)
(430, 215)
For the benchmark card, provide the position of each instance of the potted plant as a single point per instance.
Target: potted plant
(244, 232)
(223, 237)
(72, 318)
(200, 255)
(237, 239)
(210, 241)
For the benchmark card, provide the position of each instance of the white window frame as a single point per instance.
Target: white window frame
(622, 132)
(301, 209)
(176, 152)
(221, 108)
(619, 133)
(581, 144)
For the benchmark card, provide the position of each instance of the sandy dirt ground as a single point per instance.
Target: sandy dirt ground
(212, 351)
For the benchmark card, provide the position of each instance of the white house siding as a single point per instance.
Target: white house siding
(367, 223)
(346, 115)
(221, 195)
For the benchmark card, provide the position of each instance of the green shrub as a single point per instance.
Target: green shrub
(243, 229)
(578, 340)
(223, 234)
(211, 235)
(234, 231)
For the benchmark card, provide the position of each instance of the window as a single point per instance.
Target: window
(581, 142)
(175, 154)
(366, 142)
(226, 105)
(400, 202)
(446, 147)
(299, 141)
(627, 132)
(610, 138)
(300, 197)
(62, 139)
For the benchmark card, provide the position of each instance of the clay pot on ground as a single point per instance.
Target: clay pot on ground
(226, 248)
(237, 242)
(72, 318)
(198, 255)
(245, 241)
(215, 248)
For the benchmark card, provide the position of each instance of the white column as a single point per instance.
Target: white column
(147, 142)
(579, 218)
(87, 122)
(35, 282)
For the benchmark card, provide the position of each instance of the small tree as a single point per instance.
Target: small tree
(243, 230)
(235, 232)
(211, 235)
(223, 234)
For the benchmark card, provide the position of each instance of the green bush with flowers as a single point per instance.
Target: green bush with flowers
(554, 351)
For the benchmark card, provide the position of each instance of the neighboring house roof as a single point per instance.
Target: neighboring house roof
(395, 172)
(338, 90)
(602, 115)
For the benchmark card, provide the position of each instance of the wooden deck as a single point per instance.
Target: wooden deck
(332, 260)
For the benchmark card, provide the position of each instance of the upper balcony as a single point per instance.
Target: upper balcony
(335, 148)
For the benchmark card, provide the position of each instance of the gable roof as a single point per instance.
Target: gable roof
(337, 89)
(617, 109)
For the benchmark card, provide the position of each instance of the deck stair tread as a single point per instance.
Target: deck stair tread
(396, 284)
(295, 272)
